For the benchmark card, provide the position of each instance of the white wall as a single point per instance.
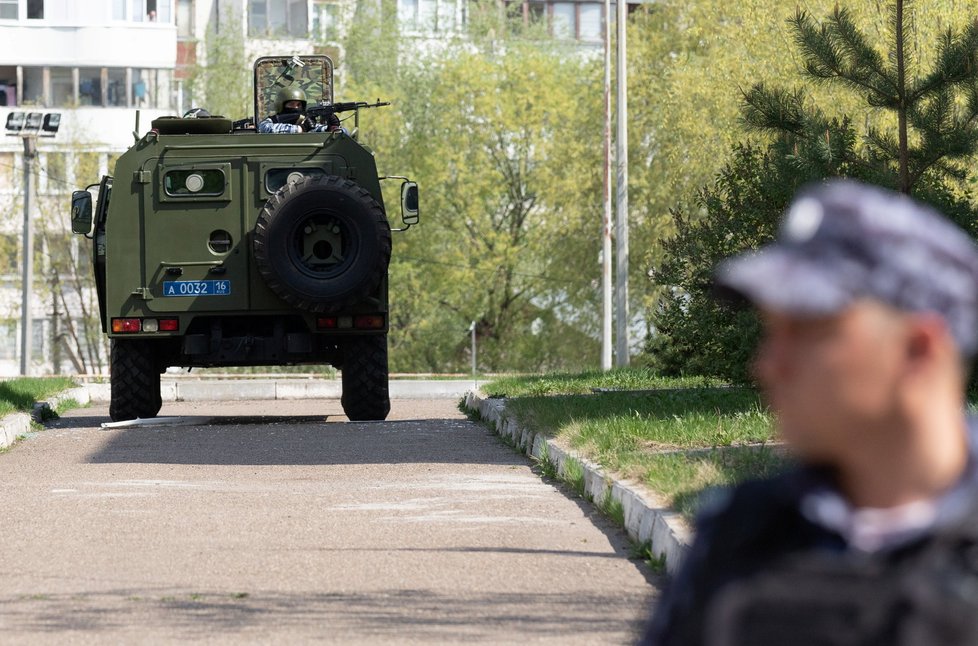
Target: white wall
(123, 44)
(101, 128)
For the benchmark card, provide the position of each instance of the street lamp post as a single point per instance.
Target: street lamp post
(29, 127)
(621, 229)
(606, 308)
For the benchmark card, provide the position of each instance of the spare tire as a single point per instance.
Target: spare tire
(322, 243)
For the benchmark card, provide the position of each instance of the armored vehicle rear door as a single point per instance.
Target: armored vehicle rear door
(311, 74)
(195, 239)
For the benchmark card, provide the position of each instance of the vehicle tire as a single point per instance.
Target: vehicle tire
(135, 380)
(365, 393)
(322, 244)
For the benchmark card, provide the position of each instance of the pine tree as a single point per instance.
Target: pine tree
(936, 135)
(936, 110)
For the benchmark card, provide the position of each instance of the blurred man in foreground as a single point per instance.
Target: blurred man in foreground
(869, 303)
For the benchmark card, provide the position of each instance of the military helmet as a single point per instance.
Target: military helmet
(287, 94)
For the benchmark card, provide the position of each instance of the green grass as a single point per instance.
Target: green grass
(20, 394)
(576, 384)
(680, 437)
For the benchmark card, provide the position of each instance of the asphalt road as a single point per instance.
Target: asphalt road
(281, 522)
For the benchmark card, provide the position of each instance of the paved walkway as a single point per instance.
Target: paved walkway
(279, 522)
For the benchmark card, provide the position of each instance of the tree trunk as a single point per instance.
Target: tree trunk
(902, 107)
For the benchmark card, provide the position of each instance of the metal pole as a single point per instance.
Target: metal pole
(621, 283)
(55, 332)
(606, 220)
(30, 151)
(474, 363)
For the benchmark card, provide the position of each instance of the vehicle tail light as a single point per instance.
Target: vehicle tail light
(369, 322)
(361, 322)
(121, 326)
(131, 325)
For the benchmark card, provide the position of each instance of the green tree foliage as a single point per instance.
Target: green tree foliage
(741, 208)
(63, 281)
(222, 81)
(689, 61)
(501, 135)
(936, 110)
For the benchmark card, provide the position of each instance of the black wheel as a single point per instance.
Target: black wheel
(365, 394)
(135, 380)
(322, 243)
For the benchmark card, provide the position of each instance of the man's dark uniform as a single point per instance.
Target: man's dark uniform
(789, 561)
(765, 563)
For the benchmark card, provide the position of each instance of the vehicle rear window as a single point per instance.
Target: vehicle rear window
(276, 178)
(195, 182)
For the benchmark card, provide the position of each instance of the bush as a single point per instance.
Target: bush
(740, 211)
(695, 334)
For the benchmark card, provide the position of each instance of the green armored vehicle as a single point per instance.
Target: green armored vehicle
(215, 245)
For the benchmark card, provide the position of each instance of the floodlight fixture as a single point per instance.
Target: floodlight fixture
(15, 122)
(52, 121)
(34, 121)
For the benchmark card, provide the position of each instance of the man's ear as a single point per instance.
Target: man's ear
(927, 336)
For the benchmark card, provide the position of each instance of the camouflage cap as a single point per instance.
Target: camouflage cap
(841, 241)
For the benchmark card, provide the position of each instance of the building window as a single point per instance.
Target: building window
(8, 92)
(8, 10)
(326, 21)
(537, 12)
(564, 20)
(564, 24)
(428, 16)
(142, 88)
(85, 167)
(407, 14)
(62, 87)
(116, 87)
(278, 18)
(445, 16)
(90, 86)
(589, 21)
(38, 339)
(8, 339)
(158, 11)
(185, 19)
(54, 179)
(35, 9)
(118, 9)
(9, 255)
(33, 85)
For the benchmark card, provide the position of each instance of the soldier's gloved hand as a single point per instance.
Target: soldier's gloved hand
(304, 123)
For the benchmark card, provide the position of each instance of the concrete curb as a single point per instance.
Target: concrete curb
(198, 390)
(646, 519)
(16, 424)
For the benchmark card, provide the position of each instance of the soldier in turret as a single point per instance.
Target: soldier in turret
(290, 115)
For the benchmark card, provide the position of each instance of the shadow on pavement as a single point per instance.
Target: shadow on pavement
(302, 440)
(374, 616)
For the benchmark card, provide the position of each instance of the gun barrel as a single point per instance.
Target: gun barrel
(346, 106)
